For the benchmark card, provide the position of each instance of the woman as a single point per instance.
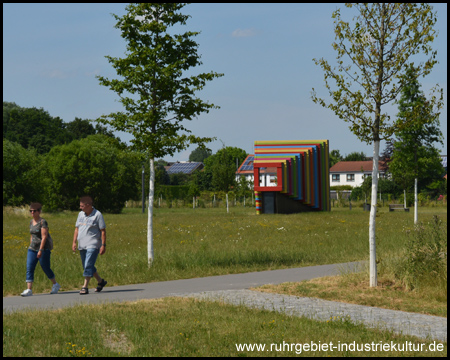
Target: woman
(40, 248)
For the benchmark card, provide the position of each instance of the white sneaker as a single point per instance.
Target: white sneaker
(27, 292)
(55, 288)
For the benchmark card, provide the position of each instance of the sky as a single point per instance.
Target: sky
(52, 53)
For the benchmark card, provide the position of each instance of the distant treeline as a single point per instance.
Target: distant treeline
(54, 162)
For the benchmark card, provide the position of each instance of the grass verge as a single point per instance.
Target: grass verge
(355, 289)
(185, 327)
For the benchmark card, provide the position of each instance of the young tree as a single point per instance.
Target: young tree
(414, 156)
(162, 95)
(379, 43)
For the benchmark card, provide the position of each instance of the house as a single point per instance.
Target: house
(268, 175)
(354, 172)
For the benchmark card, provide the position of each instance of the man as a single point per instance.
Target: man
(90, 231)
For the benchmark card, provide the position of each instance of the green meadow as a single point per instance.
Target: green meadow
(203, 242)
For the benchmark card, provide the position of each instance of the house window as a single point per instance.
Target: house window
(367, 175)
(335, 177)
(350, 177)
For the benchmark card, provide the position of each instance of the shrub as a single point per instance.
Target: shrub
(425, 255)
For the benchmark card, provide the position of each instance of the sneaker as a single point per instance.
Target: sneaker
(55, 288)
(27, 292)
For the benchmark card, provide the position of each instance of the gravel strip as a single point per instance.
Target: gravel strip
(401, 322)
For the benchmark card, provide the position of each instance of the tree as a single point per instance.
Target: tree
(335, 157)
(222, 166)
(414, 156)
(32, 127)
(92, 166)
(380, 43)
(21, 178)
(200, 154)
(355, 156)
(162, 96)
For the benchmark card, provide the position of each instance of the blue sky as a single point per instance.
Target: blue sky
(52, 52)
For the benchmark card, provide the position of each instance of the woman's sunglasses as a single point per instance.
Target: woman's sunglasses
(31, 211)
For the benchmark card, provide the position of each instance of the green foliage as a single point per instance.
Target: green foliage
(414, 155)
(222, 167)
(94, 166)
(21, 177)
(170, 192)
(35, 128)
(425, 257)
(355, 156)
(32, 127)
(380, 43)
(341, 187)
(335, 157)
(200, 154)
(153, 73)
(385, 186)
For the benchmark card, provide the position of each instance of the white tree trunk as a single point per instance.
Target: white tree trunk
(416, 202)
(373, 213)
(150, 213)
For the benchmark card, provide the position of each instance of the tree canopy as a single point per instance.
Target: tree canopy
(154, 87)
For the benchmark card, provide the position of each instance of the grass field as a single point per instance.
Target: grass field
(194, 243)
(186, 327)
(203, 242)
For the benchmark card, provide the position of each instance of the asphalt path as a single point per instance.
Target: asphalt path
(173, 288)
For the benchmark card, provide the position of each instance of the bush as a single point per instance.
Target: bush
(21, 176)
(425, 257)
(92, 166)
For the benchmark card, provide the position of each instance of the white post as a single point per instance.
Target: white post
(150, 213)
(244, 200)
(227, 202)
(404, 194)
(193, 202)
(416, 202)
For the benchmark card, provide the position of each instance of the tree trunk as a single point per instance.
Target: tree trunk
(416, 202)
(373, 213)
(150, 213)
(404, 195)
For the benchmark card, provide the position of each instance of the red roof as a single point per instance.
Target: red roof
(355, 166)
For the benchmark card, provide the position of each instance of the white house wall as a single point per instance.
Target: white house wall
(359, 178)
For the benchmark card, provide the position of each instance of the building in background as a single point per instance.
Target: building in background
(353, 173)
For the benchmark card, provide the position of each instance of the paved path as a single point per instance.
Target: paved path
(232, 288)
(401, 322)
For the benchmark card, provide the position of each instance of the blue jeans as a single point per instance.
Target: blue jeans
(88, 259)
(44, 260)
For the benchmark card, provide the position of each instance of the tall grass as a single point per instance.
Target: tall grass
(203, 242)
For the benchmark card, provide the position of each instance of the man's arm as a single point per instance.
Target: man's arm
(75, 236)
(103, 247)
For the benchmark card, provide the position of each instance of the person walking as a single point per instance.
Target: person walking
(90, 232)
(40, 248)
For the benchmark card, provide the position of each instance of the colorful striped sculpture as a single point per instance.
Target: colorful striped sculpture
(302, 175)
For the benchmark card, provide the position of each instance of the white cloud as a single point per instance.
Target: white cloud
(57, 74)
(243, 32)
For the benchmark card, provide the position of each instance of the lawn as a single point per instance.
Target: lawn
(204, 242)
(187, 327)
